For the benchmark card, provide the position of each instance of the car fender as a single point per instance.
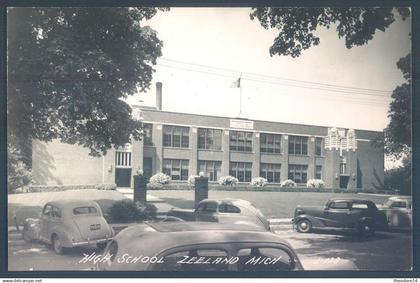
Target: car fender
(314, 221)
(64, 235)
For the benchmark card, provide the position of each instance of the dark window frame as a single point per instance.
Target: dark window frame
(176, 136)
(270, 143)
(183, 168)
(212, 169)
(241, 170)
(271, 172)
(209, 139)
(318, 146)
(148, 134)
(240, 141)
(298, 173)
(298, 145)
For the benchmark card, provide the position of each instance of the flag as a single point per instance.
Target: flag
(236, 83)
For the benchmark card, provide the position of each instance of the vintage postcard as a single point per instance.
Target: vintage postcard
(186, 139)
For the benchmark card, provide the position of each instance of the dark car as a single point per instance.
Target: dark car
(204, 246)
(342, 215)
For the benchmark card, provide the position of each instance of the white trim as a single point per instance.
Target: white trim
(365, 140)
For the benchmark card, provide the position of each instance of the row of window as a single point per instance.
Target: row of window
(177, 169)
(211, 139)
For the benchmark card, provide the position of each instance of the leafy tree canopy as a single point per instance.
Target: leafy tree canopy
(297, 25)
(70, 68)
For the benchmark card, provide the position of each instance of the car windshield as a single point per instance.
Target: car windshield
(84, 210)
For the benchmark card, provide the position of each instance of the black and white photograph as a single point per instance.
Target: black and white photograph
(209, 139)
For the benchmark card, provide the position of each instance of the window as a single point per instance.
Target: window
(210, 139)
(241, 170)
(270, 143)
(227, 208)
(362, 206)
(343, 165)
(211, 169)
(207, 207)
(148, 130)
(56, 212)
(240, 141)
(123, 159)
(271, 172)
(298, 145)
(339, 205)
(84, 210)
(176, 136)
(318, 172)
(177, 169)
(47, 210)
(318, 146)
(298, 173)
(399, 204)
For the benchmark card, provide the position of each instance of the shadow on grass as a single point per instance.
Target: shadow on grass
(179, 202)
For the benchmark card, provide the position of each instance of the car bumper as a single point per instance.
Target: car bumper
(91, 242)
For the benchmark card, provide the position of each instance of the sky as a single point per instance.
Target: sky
(206, 49)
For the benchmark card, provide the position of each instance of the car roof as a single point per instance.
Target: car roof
(158, 237)
(228, 201)
(71, 203)
(351, 200)
(400, 198)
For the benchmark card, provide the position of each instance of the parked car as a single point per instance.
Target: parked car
(399, 212)
(203, 246)
(227, 210)
(68, 224)
(342, 215)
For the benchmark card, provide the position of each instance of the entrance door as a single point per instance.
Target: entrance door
(344, 180)
(123, 177)
(147, 167)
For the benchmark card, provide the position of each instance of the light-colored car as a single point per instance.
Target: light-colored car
(398, 211)
(235, 211)
(67, 224)
(204, 246)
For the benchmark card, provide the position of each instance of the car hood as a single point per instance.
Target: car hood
(320, 263)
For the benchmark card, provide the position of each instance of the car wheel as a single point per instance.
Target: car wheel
(56, 243)
(366, 229)
(304, 226)
(101, 246)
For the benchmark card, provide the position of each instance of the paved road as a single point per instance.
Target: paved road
(386, 251)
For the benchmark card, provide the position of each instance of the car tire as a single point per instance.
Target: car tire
(304, 226)
(101, 246)
(366, 229)
(56, 245)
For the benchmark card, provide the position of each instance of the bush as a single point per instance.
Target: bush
(127, 210)
(19, 174)
(191, 180)
(288, 184)
(158, 180)
(258, 182)
(315, 183)
(228, 181)
(106, 186)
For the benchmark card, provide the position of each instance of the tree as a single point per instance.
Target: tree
(70, 68)
(357, 26)
(19, 175)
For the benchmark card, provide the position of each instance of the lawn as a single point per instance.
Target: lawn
(272, 204)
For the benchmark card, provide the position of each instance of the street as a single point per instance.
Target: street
(385, 251)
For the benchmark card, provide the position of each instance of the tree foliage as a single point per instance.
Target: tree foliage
(297, 25)
(19, 175)
(70, 68)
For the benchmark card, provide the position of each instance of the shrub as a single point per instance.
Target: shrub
(288, 184)
(110, 186)
(127, 210)
(124, 211)
(258, 182)
(158, 180)
(191, 180)
(228, 181)
(19, 174)
(315, 183)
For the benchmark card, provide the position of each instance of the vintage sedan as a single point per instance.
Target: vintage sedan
(399, 212)
(341, 215)
(67, 224)
(235, 211)
(203, 246)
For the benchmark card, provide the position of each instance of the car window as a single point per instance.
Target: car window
(359, 206)
(84, 210)
(56, 212)
(194, 260)
(210, 207)
(339, 205)
(47, 210)
(264, 259)
(227, 208)
(399, 204)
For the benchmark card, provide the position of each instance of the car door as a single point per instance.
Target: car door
(56, 219)
(336, 214)
(207, 211)
(45, 223)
